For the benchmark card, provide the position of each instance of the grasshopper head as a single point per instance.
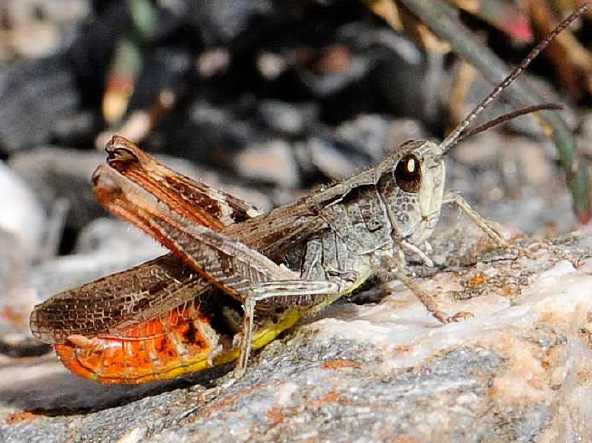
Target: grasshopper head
(411, 185)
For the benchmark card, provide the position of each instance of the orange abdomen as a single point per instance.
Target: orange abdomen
(176, 343)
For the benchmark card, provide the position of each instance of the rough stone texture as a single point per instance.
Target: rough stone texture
(520, 370)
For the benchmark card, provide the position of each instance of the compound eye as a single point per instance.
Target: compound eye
(408, 174)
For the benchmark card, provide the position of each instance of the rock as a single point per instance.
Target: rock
(163, 71)
(333, 70)
(226, 20)
(14, 267)
(16, 299)
(270, 162)
(333, 162)
(356, 144)
(404, 129)
(369, 133)
(12, 261)
(106, 234)
(35, 29)
(482, 150)
(35, 95)
(59, 173)
(517, 371)
(104, 247)
(78, 129)
(288, 118)
(20, 212)
(210, 133)
(526, 161)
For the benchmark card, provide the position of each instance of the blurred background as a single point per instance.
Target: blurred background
(267, 99)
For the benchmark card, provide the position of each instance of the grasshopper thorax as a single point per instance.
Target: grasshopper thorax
(410, 184)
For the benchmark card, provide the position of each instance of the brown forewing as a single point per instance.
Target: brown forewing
(134, 295)
(194, 201)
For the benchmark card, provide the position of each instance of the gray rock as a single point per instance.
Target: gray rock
(210, 134)
(270, 162)
(517, 371)
(59, 173)
(288, 118)
(35, 95)
(330, 160)
(223, 22)
(104, 247)
(14, 267)
(16, 299)
(369, 133)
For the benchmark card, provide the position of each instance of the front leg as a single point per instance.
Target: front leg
(422, 255)
(484, 224)
(398, 271)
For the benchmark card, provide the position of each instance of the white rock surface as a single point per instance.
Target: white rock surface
(20, 212)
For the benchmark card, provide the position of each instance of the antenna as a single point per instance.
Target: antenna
(455, 135)
(507, 117)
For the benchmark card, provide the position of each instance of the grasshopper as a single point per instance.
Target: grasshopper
(235, 279)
